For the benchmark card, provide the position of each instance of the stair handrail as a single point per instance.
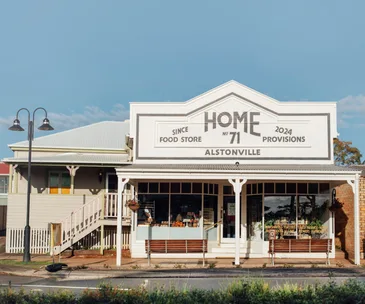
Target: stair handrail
(68, 219)
(212, 226)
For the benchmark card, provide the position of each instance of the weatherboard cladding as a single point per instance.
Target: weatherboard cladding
(106, 135)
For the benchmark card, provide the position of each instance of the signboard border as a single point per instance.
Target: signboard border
(228, 158)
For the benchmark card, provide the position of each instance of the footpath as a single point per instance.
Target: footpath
(104, 267)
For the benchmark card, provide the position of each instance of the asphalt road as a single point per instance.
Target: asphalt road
(77, 286)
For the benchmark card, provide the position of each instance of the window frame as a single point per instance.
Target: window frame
(59, 191)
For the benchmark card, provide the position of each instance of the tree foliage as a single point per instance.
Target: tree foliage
(345, 154)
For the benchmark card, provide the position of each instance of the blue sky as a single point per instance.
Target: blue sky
(84, 61)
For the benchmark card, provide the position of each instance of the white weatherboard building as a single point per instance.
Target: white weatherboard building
(226, 166)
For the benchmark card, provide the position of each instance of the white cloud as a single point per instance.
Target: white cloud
(350, 109)
(91, 114)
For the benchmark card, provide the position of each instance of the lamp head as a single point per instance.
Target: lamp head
(16, 126)
(45, 125)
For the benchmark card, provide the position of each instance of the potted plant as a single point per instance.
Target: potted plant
(133, 204)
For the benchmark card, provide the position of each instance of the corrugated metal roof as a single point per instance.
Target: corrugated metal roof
(105, 135)
(244, 168)
(75, 158)
(359, 167)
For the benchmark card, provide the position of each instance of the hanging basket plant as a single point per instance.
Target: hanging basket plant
(133, 204)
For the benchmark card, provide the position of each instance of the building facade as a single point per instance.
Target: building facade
(226, 166)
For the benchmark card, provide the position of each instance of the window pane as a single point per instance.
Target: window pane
(254, 188)
(291, 188)
(197, 188)
(206, 186)
(153, 187)
(185, 210)
(155, 205)
(65, 180)
(53, 180)
(215, 189)
(3, 184)
(142, 187)
(210, 209)
(324, 188)
(164, 188)
(175, 187)
(269, 188)
(186, 188)
(254, 217)
(228, 189)
(280, 212)
(259, 188)
(211, 189)
(313, 188)
(279, 188)
(302, 188)
(112, 183)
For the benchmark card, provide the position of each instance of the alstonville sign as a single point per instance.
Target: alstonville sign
(229, 129)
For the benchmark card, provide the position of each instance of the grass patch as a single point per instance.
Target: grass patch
(31, 264)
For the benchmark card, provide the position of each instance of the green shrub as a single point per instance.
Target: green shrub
(241, 291)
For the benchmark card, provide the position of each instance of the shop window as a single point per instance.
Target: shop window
(175, 187)
(142, 187)
(59, 183)
(4, 184)
(280, 188)
(302, 188)
(197, 187)
(280, 214)
(164, 187)
(186, 188)
(153, 187)
(312, 216)
(211, 189)
(153, 210)
(185, 210)
(313, 188)
(269, 188)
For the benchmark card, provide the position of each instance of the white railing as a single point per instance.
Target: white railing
(92, 240)
(111, 206)
(80, 220)
(39, 240)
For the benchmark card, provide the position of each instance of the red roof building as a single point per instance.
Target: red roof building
(4, 169)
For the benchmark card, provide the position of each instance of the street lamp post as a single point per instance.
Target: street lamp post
(16, 127)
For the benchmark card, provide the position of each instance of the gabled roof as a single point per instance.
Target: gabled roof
(105, 135)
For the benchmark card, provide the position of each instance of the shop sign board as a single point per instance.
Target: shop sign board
(234, 127)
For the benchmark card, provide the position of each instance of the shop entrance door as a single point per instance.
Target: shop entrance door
(229, 209)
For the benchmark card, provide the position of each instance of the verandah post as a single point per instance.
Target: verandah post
(237, 187)
(121, 184)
